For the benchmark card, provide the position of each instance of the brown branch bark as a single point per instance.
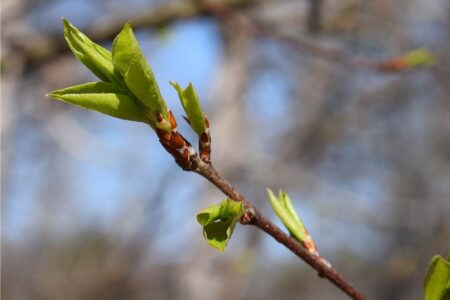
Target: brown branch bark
(254, 217)
(188, 159)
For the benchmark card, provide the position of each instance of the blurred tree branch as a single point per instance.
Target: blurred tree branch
(331, 54)
(39, 49)
(314, 17)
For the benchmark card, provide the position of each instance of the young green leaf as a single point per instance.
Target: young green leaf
(125, 49)
(103, 97)
(419, 58)
(437, 279)
(130, 62)
(192, 107)
(218, 222)
(284, 210)
(92, 55)
(287, 204)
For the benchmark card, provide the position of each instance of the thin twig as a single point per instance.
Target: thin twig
(39, 49)
(254, 217)
(258, 28)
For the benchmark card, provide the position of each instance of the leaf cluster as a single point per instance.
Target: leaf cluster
(128, 89)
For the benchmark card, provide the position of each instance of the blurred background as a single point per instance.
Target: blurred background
(94, 208)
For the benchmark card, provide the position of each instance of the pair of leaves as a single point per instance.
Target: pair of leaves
(129, 89)
(437, 279)
(192, 107)
(284, 209)
(102, 96)
(218, 222)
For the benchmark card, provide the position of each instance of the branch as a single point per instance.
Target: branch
(335, 55)
(128, 83)
(315, 16)
(254, 217)
(37, 50)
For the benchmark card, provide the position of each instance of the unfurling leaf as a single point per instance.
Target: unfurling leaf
(103, 97)
(139, 79)
(192, 107)
(93, 56)
(218, 222)
(285, 211)
(437, 279)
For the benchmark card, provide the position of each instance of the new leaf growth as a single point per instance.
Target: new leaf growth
(128, 89)
(218, 222)
(282, 205)
(196, 118)
(437, 279)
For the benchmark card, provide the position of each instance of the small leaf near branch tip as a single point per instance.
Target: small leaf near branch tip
(413, 59)
(191, 105)
(130, 62)
(218, 222)
(203, 218)
(437, 279)
(93, 56)
(288, 216)
(420, 58)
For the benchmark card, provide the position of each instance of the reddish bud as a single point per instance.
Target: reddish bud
(204, 138)
(186, 155)
(177, 141)
(394, 65)
(173, 122)
(163, 135)
(206, 120)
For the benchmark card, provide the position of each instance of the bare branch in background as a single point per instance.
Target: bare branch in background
(38, 49)
(331, 54)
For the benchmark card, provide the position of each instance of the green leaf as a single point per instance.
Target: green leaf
(218, 222)
(130, 62)
(419, 57)
(92, 55)
(287, 214)
(437, 279)
(192, 107)
(103, 97)
(125, 49)
(287, 204)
